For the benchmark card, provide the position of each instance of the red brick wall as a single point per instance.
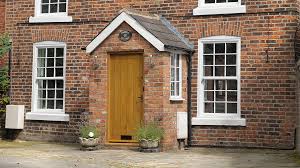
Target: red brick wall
(157, 106)
(2, 16)
(2, 24)
(268, 94)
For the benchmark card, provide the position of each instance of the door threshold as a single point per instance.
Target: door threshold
(121, 146)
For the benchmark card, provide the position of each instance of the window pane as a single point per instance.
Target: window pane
(59, 52)
(59, 84)
(45, 8)
(209, 48)
(231, 60)
(42, 52)
(53, 8)
(50, 72)
(177, 74)
(62, 1)
(50, 62)
(45, 1)
(220, 84)
(177, 60)
(172, 74)
(62, 7)
(220, 95)
(219, 71)
(231, 96)
(51, 83)
(173, 89)
(59, 104)
(208, 71)
(53, 1)
(231, 47)
(41, 104)
(220, 47)
(173, 60)
(41, 84)
(50, 52)
(220, 107)
(209, 108)
(209, 1)
(209, 96)
(220, 60)
(41, 62)
(51, 93)
(232, 108)
(208, 60)
(42, 94)
(59, 72)
(209, 85)
(233, 0)
(59, 93)
(221, 1)
(41, 72)
(50, 104)
(231, 71)
(231, 85)
(177, 89)
(59, 61)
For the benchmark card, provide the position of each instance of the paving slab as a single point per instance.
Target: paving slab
(22, 154)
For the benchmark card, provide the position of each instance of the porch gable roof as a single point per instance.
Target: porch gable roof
(155, 29)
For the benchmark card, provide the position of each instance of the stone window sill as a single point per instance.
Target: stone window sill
(47, 117)
(176, 99)
(219, 121)
(219, 10)
(50, 19)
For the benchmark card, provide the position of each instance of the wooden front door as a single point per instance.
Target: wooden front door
(125, 96)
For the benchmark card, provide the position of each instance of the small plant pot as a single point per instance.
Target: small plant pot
(149, 146)
(89, 143)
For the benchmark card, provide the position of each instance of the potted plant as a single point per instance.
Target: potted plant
(149, 137)
(89, 137)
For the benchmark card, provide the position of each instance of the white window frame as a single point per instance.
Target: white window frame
(40, 17)
(219, 8)
(177, 97)
(46, 114)
(216, 118)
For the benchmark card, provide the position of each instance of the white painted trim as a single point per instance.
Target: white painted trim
(176, 99)
(47, 116)
(124, 17)
(45, 112)
(219, 121)
(40, 17)
(219, 8)
(179, 97)
(200, 90)
(50, 19)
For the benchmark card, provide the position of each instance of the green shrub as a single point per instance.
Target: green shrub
(150, 131)
(5, 46)
(86, 130)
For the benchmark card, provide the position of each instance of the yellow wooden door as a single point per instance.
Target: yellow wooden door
(125, 97)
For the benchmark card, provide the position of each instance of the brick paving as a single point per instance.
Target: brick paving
(49, 155)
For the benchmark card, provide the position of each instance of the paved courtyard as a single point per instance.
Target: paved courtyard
(48, 155)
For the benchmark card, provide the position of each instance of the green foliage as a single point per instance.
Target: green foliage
(86, 130)
(150, 131)
(4, 78)
(5, 44)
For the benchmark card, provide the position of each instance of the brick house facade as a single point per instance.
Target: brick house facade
(264, 108)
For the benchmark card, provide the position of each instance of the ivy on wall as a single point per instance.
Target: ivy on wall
(5, 46)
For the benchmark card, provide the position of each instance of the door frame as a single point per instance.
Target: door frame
(109, 55)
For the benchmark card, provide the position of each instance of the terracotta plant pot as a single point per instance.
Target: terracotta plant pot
(88, 142)
(149, 144)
